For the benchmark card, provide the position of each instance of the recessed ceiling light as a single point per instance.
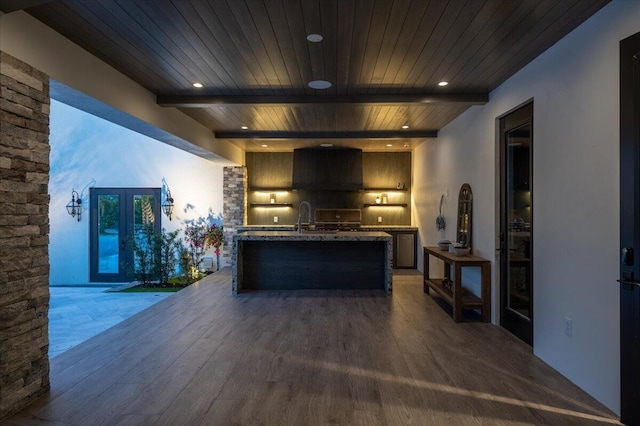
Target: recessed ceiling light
(319, 84)
(443, 83)
(264, 145)
(197, 85)
(244, 127)
(314, 38)
(405, 126)
(406, 145)
(389, 145)
(326, 145)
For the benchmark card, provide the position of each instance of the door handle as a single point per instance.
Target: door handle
(636, 283)
(500, 248)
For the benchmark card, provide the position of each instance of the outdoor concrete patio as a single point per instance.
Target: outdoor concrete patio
(78, 313)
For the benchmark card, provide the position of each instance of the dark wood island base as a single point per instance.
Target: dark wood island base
(285, 260)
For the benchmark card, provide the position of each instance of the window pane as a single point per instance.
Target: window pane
(108, 233)
(519, 231)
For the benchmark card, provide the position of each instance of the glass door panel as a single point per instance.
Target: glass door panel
(143, 214)
(516, 223)
(108, 233)
(117, 216)
(518, 241)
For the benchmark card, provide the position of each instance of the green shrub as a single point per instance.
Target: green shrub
(155, 254)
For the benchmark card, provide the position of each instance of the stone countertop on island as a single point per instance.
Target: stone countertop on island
(312, 236)
(388, 228)
(383, 228)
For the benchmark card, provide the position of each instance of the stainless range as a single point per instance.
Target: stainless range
(338, 219)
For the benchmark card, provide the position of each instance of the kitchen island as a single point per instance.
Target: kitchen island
(288, 260)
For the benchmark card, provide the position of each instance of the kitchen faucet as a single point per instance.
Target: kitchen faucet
(303, 203)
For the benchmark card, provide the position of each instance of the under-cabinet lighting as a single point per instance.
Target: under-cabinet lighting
(443, 83)
(244, 127)
(389, 145)
(405, 126)
(264, 145)
(271, 207)
(197, 85)
(269, 192)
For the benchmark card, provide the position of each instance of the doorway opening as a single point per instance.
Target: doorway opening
(117, 214)
(629, 230)
(516, 222)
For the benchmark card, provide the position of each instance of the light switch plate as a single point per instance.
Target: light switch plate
(379, 219)
(275, 219)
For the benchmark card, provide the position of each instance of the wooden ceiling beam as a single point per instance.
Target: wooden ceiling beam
(361, 134)
(397, 99)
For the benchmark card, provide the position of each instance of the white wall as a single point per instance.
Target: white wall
(575, 88)
(89, 151)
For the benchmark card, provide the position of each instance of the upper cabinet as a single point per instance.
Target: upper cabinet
(269, 170)
(381, 171)
(386, 171)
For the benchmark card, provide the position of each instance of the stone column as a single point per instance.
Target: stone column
(234, 210)
(24, 234)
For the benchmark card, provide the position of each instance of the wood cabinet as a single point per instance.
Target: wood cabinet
(458, 297)
(404, 249)
(382, 172)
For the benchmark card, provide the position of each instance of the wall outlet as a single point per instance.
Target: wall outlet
(275, 219)
(568, 327)
(379, 219)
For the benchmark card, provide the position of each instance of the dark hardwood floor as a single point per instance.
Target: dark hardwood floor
(206, 357)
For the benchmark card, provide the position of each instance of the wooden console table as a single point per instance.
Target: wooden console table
(458, 297)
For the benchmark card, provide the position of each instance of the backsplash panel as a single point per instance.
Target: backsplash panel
(269, 174)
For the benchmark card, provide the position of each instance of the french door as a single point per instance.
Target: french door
(116, 215)
(516, 223)
(630, 230)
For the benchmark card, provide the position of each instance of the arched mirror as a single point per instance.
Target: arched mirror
(465, 208)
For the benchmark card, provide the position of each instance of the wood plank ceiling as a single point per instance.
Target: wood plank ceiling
(384, 59)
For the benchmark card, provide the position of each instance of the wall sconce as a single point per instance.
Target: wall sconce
(272, 198)
(167, 204)
(74, 207)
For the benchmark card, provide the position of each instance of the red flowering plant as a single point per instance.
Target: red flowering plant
(200, 235)
(215, 237)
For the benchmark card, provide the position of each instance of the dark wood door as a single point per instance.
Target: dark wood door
(630, 230)
(516, 223)
(116, 215)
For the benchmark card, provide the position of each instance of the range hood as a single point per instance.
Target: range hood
(336, 169)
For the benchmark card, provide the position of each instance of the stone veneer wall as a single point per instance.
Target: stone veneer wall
(24, 234)
(234, 210)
